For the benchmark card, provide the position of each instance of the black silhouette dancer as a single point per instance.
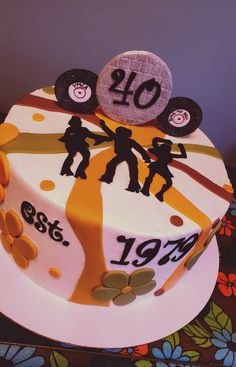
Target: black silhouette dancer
(123, 146)
(75, 141)
(160, 166)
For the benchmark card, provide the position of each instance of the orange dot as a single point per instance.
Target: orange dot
(228, 187)
(47, 185)
(49, 90)
(55, 272)
(38, 117)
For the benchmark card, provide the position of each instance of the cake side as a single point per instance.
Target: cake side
(96, 241)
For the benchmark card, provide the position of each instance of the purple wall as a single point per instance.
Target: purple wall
(41, 39)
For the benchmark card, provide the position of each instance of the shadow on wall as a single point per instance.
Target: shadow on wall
(230, 156)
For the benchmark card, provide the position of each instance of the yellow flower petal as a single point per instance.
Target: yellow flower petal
(14, 223)
(8, 132)
(105, 294)
(115, 279)
(4, 169)
(141, 276)
(6, 244)
(124, 299)
(21, 261)
(145, 288)
(3, 226)
(26, 247)
(2, 194)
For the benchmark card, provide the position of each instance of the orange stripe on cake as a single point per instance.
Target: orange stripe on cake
(46, 104)
(84, 211)
(179, 202)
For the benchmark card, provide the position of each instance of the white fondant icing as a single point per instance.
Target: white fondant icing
(124, 213)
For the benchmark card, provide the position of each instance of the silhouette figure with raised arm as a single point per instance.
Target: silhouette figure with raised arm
(75, 141)
(123, 146)
(162, 150)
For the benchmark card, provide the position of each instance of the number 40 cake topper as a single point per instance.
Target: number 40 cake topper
(133, 88)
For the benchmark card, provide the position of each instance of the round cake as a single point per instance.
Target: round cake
(101, 213)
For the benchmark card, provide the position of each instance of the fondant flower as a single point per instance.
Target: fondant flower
(170, 353)
(227, 284)
(137, 351)
(4, 175)
(122, 288)
(226, 227)
(14, 355)
(226, 343)
(21, 247)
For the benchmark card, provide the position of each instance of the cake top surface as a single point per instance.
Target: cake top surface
(198, 179)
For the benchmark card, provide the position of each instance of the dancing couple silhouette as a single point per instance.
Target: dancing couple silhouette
(75, 141)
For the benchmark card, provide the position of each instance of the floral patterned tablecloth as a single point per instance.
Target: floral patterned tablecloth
(208, 340)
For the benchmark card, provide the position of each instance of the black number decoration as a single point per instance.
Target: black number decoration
(118, 75)
(128, 245)
(149, 85)
(147, 253)
(148, 250)
(183, 245)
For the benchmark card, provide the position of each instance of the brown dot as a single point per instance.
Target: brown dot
(159, 292)
(176, 221)
(55, 272)
(47, 185)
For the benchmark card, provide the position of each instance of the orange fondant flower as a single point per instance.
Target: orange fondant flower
(140, 350)
(21, 247)
(227, 284)
(4, 175)
(226, 227)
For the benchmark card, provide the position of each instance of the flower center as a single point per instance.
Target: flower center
(229, 284)
(10, 239)
(126, 289)
(231, 346)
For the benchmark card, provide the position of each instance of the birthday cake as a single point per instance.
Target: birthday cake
(99, 204)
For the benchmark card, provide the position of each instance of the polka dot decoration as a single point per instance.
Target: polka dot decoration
(49, 90)
(176, 221)
(38, 117)
(47, 185)
(55, 272)
(228, 187)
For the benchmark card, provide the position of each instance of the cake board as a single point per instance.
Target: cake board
(48, 315)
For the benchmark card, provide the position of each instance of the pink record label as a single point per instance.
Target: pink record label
(134, 87)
